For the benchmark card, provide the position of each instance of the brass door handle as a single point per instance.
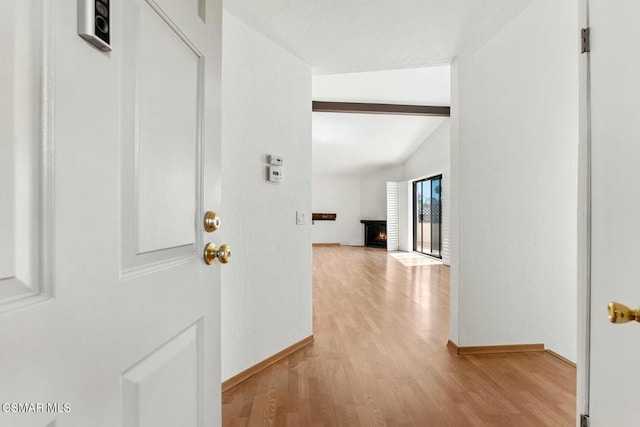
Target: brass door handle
(211, 253)
(620, 313)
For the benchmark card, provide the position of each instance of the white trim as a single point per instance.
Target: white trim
(133, 262)
(47, 162)
(584, 226)
(405, 228)
(41, 288)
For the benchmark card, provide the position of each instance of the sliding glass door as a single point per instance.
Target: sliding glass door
(427, 216)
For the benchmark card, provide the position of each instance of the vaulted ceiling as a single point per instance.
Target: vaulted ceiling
(358, 144)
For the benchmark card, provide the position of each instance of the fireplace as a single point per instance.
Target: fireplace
(375, 233)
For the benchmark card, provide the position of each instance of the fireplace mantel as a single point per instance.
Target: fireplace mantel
(315, 216)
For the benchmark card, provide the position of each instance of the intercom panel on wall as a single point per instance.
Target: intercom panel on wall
(94, 23)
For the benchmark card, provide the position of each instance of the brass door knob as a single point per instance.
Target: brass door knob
(620, 313)
(211, 253)
(211, 221)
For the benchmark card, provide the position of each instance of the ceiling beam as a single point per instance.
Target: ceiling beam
(368, 108)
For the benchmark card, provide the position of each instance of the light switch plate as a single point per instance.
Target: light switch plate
(301, 217)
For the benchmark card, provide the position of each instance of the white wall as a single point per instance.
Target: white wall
(432, 158)
(342, 197)
(414, 86)
(517, 172)
(373, 192)
(353, 199)
(266, 108)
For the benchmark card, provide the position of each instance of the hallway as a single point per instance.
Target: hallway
(380, 358)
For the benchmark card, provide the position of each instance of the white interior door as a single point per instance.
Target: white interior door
(108, 315)
(615, 230)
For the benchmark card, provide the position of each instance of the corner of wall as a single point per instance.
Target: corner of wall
(454, 218)
(516, 110)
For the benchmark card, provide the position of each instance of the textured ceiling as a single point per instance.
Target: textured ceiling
(340, 39)
(339, 36)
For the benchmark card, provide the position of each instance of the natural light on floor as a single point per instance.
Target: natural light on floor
(412, 259)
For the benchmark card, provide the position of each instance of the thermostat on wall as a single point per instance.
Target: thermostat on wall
(275, 174)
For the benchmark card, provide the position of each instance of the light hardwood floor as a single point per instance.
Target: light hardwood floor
(380, 358)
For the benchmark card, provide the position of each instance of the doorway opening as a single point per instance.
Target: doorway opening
(427, 216)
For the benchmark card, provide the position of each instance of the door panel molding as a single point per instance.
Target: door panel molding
(176, 367)
(181, 244)
(27, 275)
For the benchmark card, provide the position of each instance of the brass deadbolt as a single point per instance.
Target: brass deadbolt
(211, 221)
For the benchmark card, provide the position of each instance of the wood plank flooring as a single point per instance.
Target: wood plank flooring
(380, 358)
